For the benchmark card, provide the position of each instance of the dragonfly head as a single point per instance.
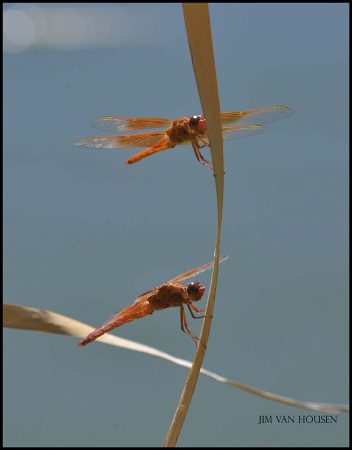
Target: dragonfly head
(195, 290)
(198, 124)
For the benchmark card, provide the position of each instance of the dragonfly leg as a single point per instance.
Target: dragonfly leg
(199, 155)
(196, 309)
(205, 142)
(189, 306)
(184, 325)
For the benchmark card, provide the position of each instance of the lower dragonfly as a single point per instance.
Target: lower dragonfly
(174, 293)
(182, 131)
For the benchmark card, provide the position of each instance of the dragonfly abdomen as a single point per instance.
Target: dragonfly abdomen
(135, 311)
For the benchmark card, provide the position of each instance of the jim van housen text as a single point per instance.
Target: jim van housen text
(301, 419)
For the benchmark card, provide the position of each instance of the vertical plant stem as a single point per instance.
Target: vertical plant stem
(200, 42)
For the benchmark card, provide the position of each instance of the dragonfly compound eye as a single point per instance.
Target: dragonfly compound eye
(193, 121)
(195, 290)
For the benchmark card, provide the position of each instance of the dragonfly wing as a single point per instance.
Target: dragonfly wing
(128, 141)
(256, 116)
(237, 132)
(145, 295)
(123, 123)
(198, 270)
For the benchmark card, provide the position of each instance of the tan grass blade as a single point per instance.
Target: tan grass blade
(33, 319)
(196, 16)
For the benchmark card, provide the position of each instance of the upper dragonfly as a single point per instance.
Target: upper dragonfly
(185, 130)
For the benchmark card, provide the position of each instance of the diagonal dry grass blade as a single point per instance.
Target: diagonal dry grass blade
(33, 319)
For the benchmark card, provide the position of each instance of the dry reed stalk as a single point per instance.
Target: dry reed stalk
(200, 43)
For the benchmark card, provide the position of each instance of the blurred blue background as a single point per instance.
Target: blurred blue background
(84, 233)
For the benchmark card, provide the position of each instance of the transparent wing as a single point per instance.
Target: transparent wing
(198, 270)
(237, 132)
(256, 116)
(123, 123)
(128, 141)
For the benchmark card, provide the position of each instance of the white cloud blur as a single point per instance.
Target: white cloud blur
(69, 27)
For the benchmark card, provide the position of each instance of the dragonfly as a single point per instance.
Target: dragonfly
(182, 131)
(173, 293)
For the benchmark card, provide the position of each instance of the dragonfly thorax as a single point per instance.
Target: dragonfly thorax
(180, 131)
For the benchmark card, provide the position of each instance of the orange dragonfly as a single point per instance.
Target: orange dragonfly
(185, 130)
(171, 294)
